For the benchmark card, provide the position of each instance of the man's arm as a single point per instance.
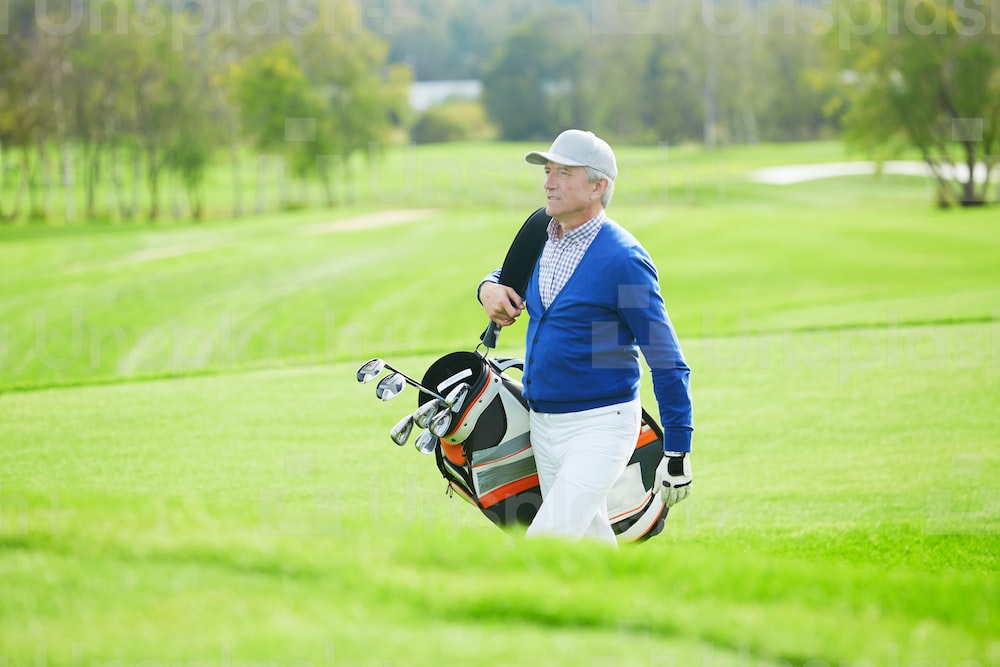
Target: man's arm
(641, 306)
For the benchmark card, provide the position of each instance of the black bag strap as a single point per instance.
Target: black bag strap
(520, 262)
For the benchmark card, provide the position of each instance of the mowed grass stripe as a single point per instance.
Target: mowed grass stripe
(748, 258)
(167, 315)
(432, 301)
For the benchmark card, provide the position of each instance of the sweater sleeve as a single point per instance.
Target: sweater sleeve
(641, 307)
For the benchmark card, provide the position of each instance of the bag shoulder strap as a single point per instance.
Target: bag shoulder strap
(524, 251)
(520, 262)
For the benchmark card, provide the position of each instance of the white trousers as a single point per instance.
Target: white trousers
(580, 456)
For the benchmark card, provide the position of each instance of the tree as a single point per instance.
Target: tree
(672, 80)
(791, 97)
(358, 97)
(535, 87)
(452, 120)
(321, 97)
(192, 135)
(932, 84)
(31, 105)
(111, 74)
(279, 108)
(448, 39)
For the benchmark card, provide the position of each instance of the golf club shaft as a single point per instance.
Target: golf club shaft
(414, 383)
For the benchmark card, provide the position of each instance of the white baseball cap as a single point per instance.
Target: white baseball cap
(576, 148)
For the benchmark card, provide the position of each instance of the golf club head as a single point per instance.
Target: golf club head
(370, 370)
(425, 412)
(390, 386)
(456, 397)
(400, 433)
(441, 422)
(426, 443)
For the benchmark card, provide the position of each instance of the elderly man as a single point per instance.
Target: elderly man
(593, 303)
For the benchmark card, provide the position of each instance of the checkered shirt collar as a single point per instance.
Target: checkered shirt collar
(582, 234)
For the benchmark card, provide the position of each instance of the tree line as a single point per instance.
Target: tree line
(889, 76)
(680, 70)
(126, 93)
(129, 93)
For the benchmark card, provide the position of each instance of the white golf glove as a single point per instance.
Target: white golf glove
(673, 477)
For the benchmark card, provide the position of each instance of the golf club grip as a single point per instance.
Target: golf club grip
(489, 336)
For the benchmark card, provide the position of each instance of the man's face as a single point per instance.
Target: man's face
(569, 195)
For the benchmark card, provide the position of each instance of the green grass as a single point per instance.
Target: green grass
(190, 475)
(92, 304)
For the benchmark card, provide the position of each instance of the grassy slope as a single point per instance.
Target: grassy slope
(844, 345)
(241, 511)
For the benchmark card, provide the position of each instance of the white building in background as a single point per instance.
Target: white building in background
(428, 93)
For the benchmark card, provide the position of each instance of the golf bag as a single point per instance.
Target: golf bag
(487, 460)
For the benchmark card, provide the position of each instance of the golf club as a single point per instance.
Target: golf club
(456, 397)
(370, 369)
(390, 386)
(426, 443)
(422, 417)
(400, 433)
(441, 422)
(455, 401)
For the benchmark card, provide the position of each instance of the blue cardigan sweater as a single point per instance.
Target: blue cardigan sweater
(583, 351)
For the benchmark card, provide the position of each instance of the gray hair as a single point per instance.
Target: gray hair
(593, 175)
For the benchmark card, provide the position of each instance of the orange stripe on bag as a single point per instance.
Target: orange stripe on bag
(508, 490)
(633, 510)
(455, 453)
(646, 436)
(652, 522)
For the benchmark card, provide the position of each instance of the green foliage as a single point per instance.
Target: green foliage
(931, 85)
(728, 72)
(671, 104)
(274, 94)
(452, 121)
(150, 93)
(449, 39)
(533, 89)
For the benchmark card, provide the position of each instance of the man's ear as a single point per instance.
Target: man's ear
(599, 187)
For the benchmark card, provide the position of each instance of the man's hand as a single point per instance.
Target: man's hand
(673, 477)
(502, 303)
